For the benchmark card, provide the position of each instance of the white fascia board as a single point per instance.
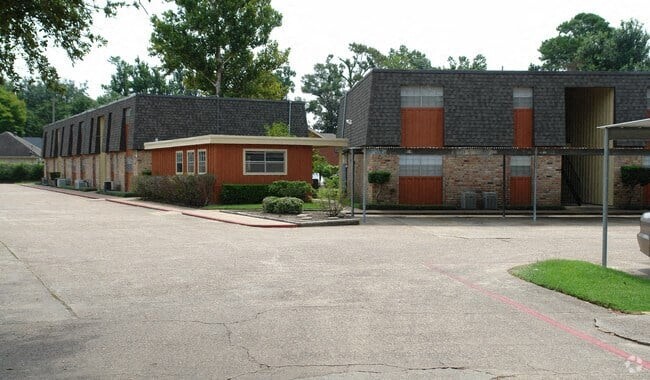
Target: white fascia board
(245, 140)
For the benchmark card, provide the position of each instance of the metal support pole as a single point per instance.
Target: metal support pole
(365, 183)
(352, 183)
(535, 185)
(605, 193)
(503, 176)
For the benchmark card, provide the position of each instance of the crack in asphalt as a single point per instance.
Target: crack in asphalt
(51, 291)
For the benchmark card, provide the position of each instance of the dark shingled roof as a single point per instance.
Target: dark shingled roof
(14, 146)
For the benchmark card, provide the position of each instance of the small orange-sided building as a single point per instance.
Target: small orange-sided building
(238, 159)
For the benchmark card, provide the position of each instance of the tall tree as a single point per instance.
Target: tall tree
(222, 46)
(41, 100)
(140, 78)
(588, 43)
(463, 63)
(29, 28)
(13, 112)
(326, 84)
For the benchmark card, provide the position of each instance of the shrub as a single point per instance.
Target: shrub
(188, 190)
(282, 205)
(635, 175)
(18, 172)
(295, 189)
(234, 194)
(329, 198)
(378, 177)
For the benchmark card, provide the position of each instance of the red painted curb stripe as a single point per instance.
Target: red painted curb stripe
(241, 223)
(55, 190)
(157, 208)
(525, 309)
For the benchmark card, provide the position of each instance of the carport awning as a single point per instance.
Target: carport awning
(636, 129)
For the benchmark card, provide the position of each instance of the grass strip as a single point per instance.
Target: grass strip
(606, 287)
(258, 207)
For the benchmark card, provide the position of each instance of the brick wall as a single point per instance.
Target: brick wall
(624, 196)
(549, 181)
(388, 192)
(471, 173)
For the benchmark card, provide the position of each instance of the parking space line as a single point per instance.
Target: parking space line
(536, 314)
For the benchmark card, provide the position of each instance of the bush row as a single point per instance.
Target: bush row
(187, 190)
(282, 205)
(245, 193)
(14, 172)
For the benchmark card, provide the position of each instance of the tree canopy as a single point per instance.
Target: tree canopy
(39, 98)
(13, 113)
(223, 47)
(29, 28)
(588, 43)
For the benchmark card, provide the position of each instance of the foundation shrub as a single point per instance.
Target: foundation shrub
(282, 205)
(186, 190)
(14, 172)
(235, 194)
(295, 189)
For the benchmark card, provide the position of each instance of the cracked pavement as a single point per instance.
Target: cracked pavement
(96, 289)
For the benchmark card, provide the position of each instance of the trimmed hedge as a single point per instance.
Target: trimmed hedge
(283, 205)
(14, 172)
(378, 176)
(295, 189)
(635, 175)
(234, 194)
(187, 190)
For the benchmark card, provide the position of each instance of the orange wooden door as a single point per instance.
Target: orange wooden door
(423, 127)
(520, 188)
(420, 190)
(646, 195)
(523, 120)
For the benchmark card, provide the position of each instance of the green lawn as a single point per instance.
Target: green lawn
(602, 286)
(258, 207)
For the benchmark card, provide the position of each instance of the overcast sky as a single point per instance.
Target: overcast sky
(508, 33)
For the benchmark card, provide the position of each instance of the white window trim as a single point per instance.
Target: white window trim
(286, 161)
(176, 162)
(187, 163)
(198, 166)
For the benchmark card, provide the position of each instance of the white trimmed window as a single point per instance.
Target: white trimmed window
(265, 161)
(179, 162)
(190, 161)
(520, 166)
(203, 161)
(421, 97)
(411, 165)
(522, 98)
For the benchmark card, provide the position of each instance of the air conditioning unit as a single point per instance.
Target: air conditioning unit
(468, 200)
(489, 200)
(80, 183)
(108, 185)
(60, 182)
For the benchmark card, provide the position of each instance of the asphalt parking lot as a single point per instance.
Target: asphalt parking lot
(90, 288)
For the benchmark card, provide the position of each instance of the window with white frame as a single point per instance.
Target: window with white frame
(520, 166)
(190, 161)
(203, 161)
(179, 162)
(421, 97)
(265, 162)
(420, 165)
(522, 98)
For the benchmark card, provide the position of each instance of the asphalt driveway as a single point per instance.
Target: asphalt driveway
(90, 288)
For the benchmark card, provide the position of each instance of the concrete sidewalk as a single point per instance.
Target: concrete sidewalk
(215, 215)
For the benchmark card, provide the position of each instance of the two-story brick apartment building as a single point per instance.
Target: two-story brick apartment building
(106, 144)
(445, 135)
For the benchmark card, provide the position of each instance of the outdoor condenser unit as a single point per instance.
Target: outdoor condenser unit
(468, 200)
(489, 200)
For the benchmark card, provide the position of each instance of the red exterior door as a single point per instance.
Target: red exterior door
(520, 188)
(420, 190)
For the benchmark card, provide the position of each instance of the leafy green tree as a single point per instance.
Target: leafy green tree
(28, 29)
(13, 113)
(40, 99)
(327, 84)
(223, 46)
(278, 129)
(588, 43)
(140, 78)
(463, 63)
